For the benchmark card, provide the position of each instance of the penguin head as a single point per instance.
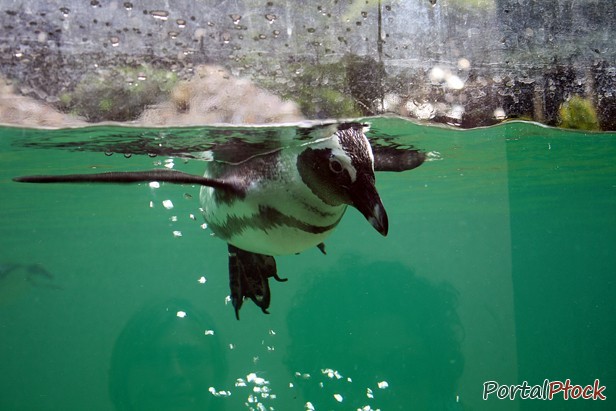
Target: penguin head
(340, 170)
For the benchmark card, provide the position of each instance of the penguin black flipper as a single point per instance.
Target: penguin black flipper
(387, 158)
(249, 275)
(127, 177)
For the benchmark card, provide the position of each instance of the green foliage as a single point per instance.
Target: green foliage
(578, 113)
(365, 78)
(325, 102)
(349, 87)
(321, 90)
(117, 94)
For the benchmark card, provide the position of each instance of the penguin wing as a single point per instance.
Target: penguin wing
(126, 177)
(393, 158)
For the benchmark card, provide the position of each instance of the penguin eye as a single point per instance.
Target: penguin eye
(335, 165)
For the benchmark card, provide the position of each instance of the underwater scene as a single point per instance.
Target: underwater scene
(497, 270)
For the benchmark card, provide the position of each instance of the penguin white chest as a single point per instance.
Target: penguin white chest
(274, 216)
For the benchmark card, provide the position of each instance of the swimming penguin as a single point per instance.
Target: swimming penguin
(277, 202)
(16, 279)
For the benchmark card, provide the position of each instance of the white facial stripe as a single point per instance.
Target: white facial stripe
(369, 149)
(346, 162)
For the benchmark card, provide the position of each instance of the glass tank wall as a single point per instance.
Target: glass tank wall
(465, 62)
(499, 262)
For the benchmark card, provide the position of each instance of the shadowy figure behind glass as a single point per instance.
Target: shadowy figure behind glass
(375, 334)
(166, 358)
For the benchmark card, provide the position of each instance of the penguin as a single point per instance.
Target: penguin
(16, 279)
(279, 201)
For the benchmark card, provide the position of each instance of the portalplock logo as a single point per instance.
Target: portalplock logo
(546, 391)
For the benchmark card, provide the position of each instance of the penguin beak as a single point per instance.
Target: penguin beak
(366, 199)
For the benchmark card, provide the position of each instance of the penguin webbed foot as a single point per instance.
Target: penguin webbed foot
(248, 278)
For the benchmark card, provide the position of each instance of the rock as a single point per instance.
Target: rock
(214, 96)
(25, 111)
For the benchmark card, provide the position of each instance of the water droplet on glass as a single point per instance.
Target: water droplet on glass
(310, 30)
(181, 23)
(128, 155)
(173, 34)
(108, 153)
(364, 14)
(226, 38)
(115, 41)
(95, 3)
(160, 14)
(271, 18)
(65, 11)
(276, 33)
(236, 18)
(128, 5)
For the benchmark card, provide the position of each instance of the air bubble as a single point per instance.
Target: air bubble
(160, 14)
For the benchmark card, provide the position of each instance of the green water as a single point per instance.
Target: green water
(499, 265)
